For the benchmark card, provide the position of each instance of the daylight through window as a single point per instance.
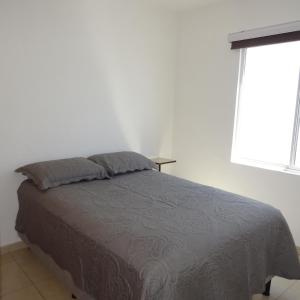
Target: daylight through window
(268, 110)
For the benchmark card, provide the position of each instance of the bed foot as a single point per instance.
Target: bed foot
(267, 289)
(73, 296)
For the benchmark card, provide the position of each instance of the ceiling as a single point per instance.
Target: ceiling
(181, 4)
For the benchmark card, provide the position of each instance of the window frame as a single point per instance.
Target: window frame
(236, 158)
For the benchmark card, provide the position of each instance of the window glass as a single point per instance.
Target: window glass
(267, 102)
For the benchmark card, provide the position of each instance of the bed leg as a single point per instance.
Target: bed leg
(267, 289)
(73, 296)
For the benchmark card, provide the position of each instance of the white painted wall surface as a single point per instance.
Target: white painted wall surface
(205, 104)
(79, 77)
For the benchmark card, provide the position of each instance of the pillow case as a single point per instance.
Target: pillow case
(123, 162)
(54, 173)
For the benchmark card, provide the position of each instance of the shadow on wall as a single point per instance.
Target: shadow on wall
(64, 90)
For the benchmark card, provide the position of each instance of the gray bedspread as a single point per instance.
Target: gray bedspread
(151, 236)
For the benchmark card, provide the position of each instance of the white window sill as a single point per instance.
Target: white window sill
(266, 166)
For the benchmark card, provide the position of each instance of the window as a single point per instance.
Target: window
(267, 116)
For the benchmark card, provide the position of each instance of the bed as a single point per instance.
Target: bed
(151, 236)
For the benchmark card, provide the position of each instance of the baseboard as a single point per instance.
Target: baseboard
(12, 247)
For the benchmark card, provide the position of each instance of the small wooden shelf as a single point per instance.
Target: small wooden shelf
(162, 161)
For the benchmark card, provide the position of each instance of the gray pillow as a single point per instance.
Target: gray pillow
(54, 173)
(123, 162)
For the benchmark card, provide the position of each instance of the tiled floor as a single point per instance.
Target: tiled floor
(23, 277)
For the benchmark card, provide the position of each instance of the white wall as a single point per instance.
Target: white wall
(79, 77)
(205, 104)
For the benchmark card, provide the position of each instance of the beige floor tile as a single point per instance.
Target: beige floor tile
(12, 247)
(61, 297)
(36, 271)
(261, 297)
(31, 265)
(12, 278)
(279, 285)
(5, 259)
(52, 289)
(292, 293)
(29, 293)
(23, 256)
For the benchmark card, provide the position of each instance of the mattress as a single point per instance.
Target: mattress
(151, 236)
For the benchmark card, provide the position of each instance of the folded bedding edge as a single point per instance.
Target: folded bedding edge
(63, 275)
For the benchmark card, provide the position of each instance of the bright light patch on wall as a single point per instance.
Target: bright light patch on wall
(267, 118)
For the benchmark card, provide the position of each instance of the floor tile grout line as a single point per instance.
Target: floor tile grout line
(32, 283)
(28, 277)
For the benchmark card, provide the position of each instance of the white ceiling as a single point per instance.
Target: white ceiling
(181, 4)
